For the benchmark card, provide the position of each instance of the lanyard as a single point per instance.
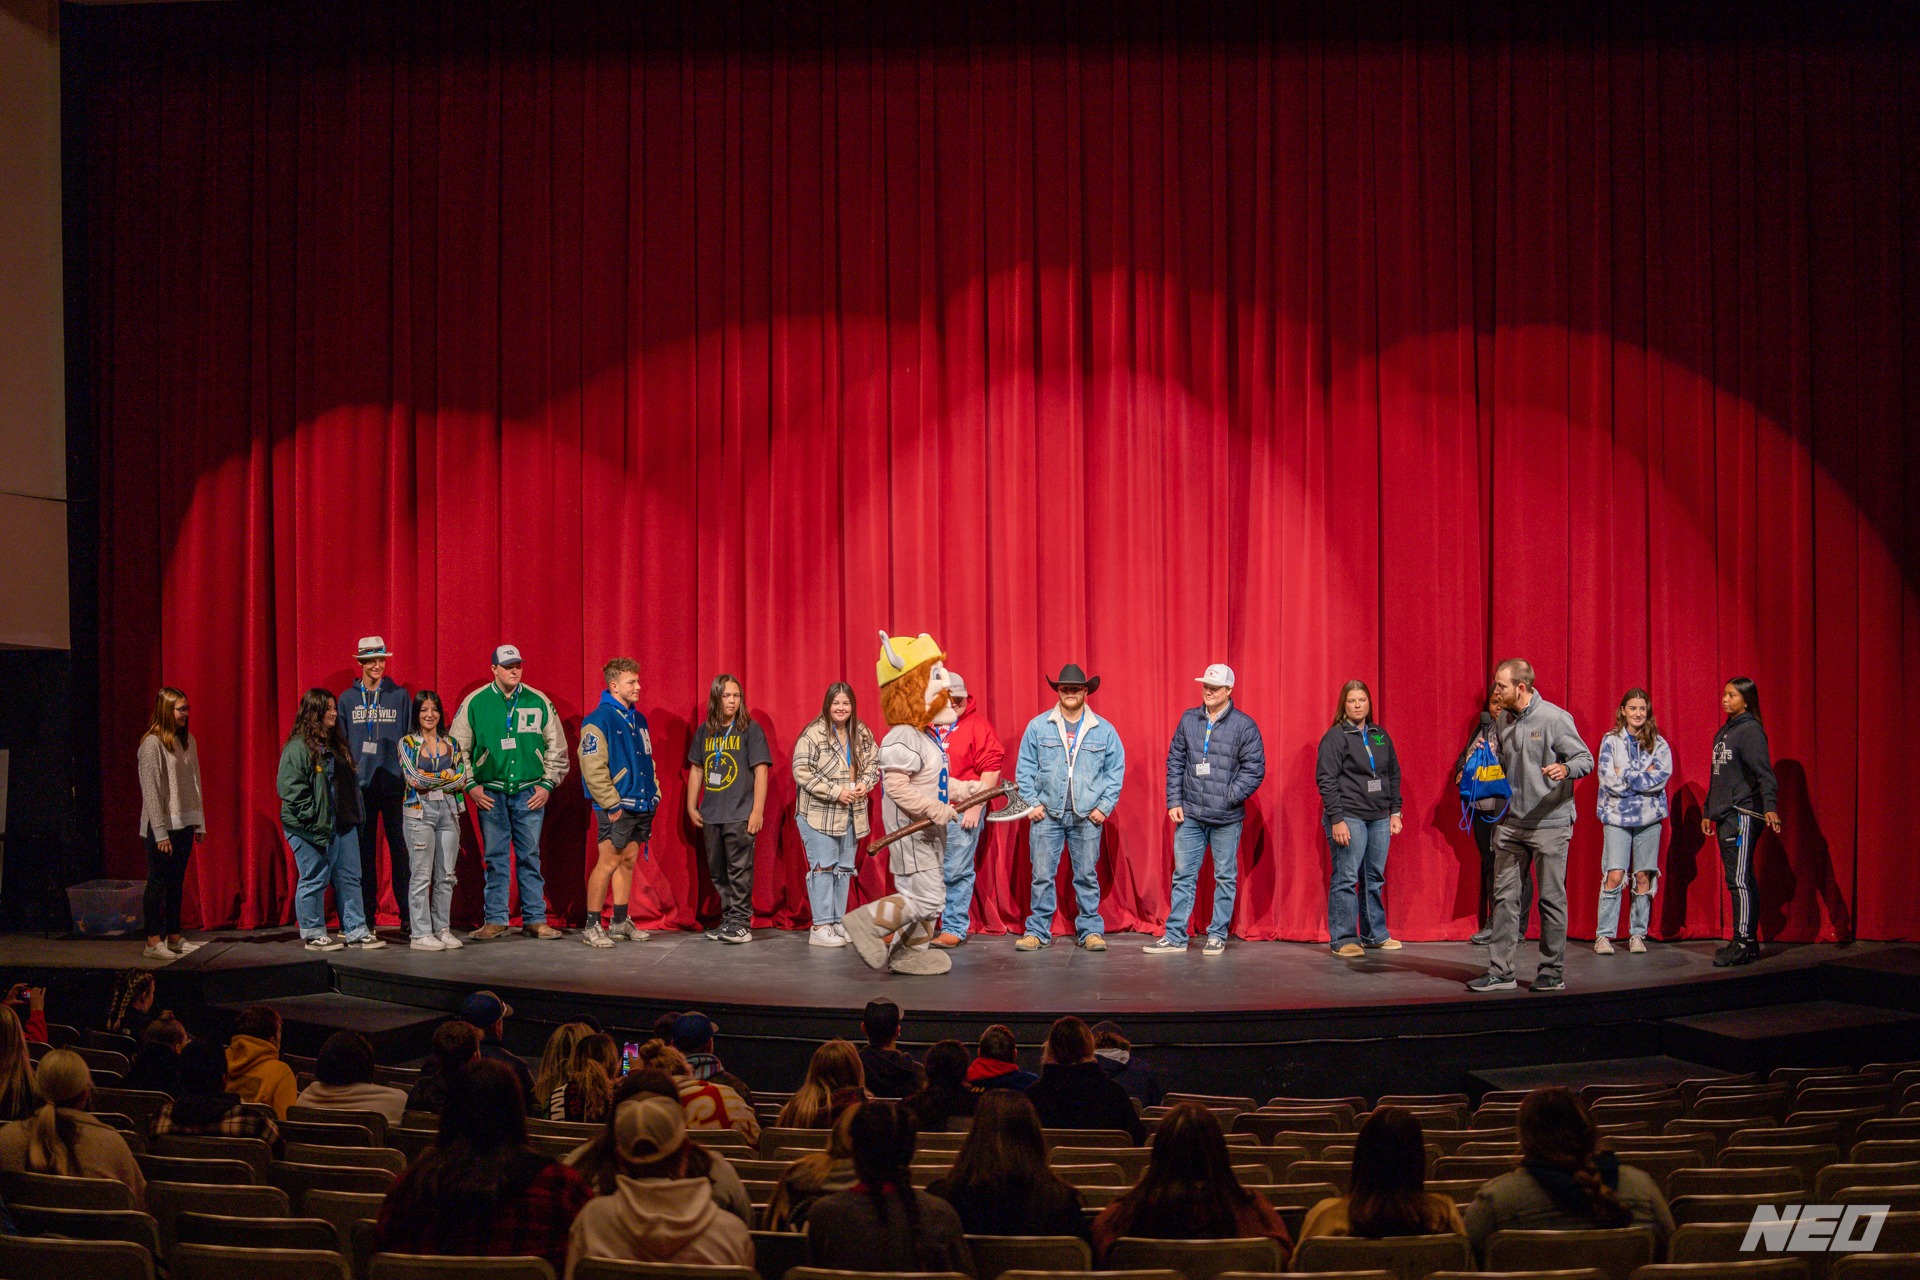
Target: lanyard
(367, 704)
(1206, 740)
(513, 708)
(939, 740)
(1371, 765)
(1070, 739)
(846, 746)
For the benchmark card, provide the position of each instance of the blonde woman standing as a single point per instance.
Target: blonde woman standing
(170, 819)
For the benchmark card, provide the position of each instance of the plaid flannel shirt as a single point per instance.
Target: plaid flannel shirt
(237, 1122)
(534, 1223)
(820, 769)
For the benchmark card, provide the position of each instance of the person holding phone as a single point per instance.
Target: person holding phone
(1742, 789)
(170, 819)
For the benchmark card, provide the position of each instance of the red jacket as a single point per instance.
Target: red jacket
(973, 748)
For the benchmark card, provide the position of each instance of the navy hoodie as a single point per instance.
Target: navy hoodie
(1742, 769)
(379, 719)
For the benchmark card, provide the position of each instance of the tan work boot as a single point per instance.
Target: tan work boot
(488, 932)
(543, 931)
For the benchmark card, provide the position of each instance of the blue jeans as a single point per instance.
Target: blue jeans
(320, 865)
(433, 854)
(1626, 850)
(1081, 840)
(829, 870)
(511, 835)
(1190, 842)
(957, 871)
(1361, 861)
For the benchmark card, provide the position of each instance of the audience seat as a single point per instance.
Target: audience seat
(196, 1169)
(1562, 1273)
(233, 1262)
(1337, 1172)
(37, 1257)
(255, 1233)
(1716, 1181)
(424, 1266)
(1459, 1190)
(1874, 1266)
(1615, 1251)
(1482, 1167)
(615, 1269)
(130, 1225)
(59, 1192)
(1754, 1269)
(1408, 1257)
(1835, 1176)
(141, 1104)
(1892, 1128)
(777, 1252)
(1904, 1199)
(1086, 1138)
(1783, 1135)
(1884, 1150)
(356, 1157)
(331, 1133)
(1721, 1131)
(993, 1255)
(1112, 1275)
(343, 1209)
(168, 1200)
(773, 1139)
(1809, 1160)
(1196, 1259)
(254, 1152)
(298, 1179)
(374, 1122)
(829, 1273)
(1730, 1207)
(409, 1141)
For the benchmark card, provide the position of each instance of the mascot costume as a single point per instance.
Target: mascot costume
(893, 933)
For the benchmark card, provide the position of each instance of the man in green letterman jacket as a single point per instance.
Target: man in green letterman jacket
(512, 733)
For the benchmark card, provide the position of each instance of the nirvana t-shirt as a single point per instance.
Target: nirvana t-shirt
(726, 758)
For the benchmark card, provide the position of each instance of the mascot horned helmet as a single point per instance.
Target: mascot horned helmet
(913, 682)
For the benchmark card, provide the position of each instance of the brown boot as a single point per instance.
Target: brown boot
(488, 932)
(543, 931)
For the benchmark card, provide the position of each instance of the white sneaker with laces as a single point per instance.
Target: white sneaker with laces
(182, 947)
(825, 935)
(426, 942)
(595, 936)
(158, 953)
(325, 942)
(449, 939)
(1164, 946)
(367, 942)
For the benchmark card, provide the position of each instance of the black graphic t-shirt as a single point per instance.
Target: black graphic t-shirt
(726, 759)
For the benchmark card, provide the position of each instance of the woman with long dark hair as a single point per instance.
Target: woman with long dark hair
(1565, 1182)
(17, 1100)
(1742, 791)
(130, 1005)
(320, 812)
(1635, 763)
(170, 819)
(727, 763)
(818, 1174)
(836, 765)
(945, 1095)
(1388, 1193)
(834, 1067)
(1188, 1191)
(480, 1190)
(586, 1093)
(1001, 1184)
(882, 1223)
(1359, 777)
(437, 774)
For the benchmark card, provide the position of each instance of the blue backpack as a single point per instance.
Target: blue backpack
(1482, 778)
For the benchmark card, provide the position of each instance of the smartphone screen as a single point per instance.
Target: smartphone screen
(629, 1055)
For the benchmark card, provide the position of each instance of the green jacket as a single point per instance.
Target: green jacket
(531, 751)
(306, 794)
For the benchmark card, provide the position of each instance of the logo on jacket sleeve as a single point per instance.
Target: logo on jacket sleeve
(590, 743)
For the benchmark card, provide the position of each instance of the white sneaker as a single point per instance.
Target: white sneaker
(449, 939)
(595, 936)
(368, 942)
(426, 942)
(182, 947)
(158, 953)
(825, 935)
(324, 943)
(1164, 946)
(840, 931)
(1637, 945)
(1603, 946)
(627, 931)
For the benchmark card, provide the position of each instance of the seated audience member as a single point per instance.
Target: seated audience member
(1001, 1184)
(586, 1092)
(130, 1006)
(28, 1004)
(203, 1106)
(455, 1044)
(1188, 1191)
(254, 1069)
(60, 1137)
(891, 1073)
(489, 1013)
(663, 1027)
(817, 1174)
(343, 1079)
(480, 1190)
(834, 1068)
(556, 1061)
(658, 1211)
(945, 1093)
(883, 1223)
(156, 1067)
(1074, 1093)
(1388, 1195)
(1124, 1067)
(998, 1064)
(597, 1159)
(1564, 1182)
(692, 1035)
(708, 1103)
(17, 1100)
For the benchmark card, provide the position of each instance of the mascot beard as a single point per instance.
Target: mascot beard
(893, 932)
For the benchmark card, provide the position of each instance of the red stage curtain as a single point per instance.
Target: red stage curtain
(1320, 344)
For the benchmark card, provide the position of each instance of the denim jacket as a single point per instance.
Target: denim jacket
(1098, 766)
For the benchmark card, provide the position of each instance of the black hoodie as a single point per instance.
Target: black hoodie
(1742, 769)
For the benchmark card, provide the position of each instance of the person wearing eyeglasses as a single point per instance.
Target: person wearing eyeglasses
(1071, 765)
(974, 754)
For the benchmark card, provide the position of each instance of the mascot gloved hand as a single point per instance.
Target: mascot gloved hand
(892, 933)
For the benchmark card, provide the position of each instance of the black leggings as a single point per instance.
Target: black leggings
(166, 873)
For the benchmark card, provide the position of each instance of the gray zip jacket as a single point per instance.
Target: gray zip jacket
(1530, 740)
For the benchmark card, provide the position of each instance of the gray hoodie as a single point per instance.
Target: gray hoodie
(659, 1220)
(1531, 739)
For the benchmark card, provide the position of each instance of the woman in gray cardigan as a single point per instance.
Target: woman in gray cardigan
(1564, 1182)
(170, 818)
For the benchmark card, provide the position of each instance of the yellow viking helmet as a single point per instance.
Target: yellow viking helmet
(897, 657)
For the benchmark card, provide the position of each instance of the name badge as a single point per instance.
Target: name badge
(1374, 784)
(508, 744)
(1202, 769)
(369, 747)
(715, 777)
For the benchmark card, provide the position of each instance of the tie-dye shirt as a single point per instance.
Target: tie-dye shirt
(1633, 780)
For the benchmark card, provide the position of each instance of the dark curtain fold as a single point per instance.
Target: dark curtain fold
(1323, 343)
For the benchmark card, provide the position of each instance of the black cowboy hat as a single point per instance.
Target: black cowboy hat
(1072, 674)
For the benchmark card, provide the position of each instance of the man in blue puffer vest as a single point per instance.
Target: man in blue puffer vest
(616, 767)
(1215, 763)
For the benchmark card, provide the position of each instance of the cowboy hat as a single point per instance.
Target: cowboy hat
(1072, 674)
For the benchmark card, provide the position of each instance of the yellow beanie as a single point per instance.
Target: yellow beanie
(897, 657)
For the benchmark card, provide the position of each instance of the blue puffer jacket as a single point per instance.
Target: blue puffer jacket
(1236, 762)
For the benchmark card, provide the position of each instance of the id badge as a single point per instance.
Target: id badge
(369, 747)
(715, 777)
(508, 744)
(1202, 769)
(1374, 784)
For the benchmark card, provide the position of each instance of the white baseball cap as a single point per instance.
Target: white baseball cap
(507, 656)
(1219, 674)
(956, 686)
